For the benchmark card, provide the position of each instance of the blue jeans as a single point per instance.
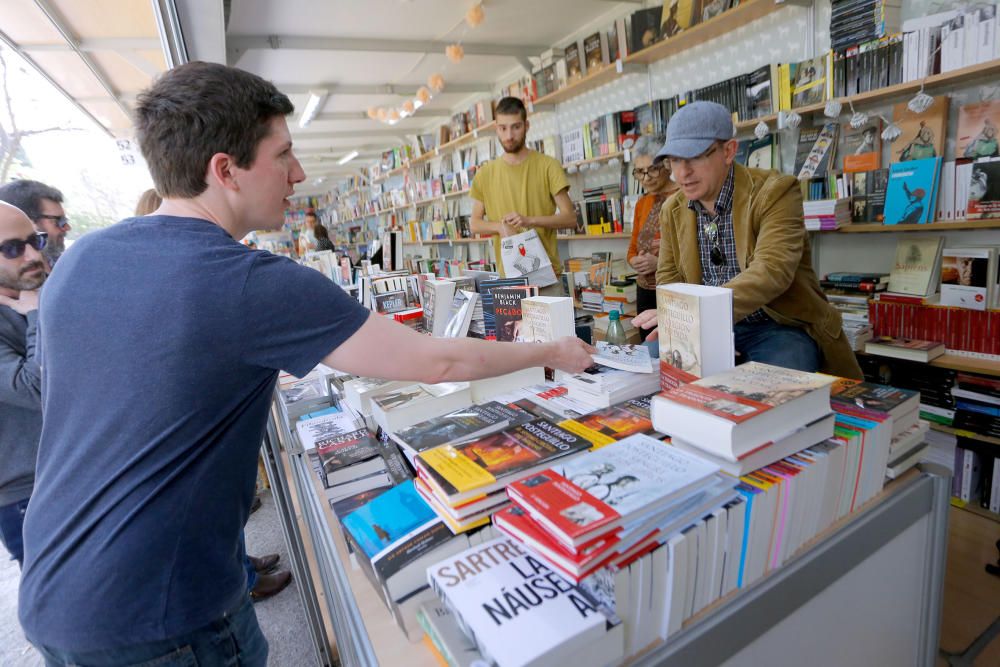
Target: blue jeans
(776, 344)
(247, 565)
(11, 524)
(233, 640)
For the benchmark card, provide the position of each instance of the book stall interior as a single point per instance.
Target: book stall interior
(670, 505)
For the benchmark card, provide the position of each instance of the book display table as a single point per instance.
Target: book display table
(866, 591)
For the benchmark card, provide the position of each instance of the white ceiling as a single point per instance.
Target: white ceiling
(306, 44)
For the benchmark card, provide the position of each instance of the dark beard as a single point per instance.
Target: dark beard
(516, 148)
(22, 283)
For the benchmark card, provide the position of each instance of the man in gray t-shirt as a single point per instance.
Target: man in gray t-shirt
(22, 272)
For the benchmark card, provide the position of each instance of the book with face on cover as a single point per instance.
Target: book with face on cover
(695, 324)
(863, 147)
(579, 500)
(978, 129)
(922, 134)
(735, 413)
(967, 277)
(498, 591)
(626, 357)
(509, 321)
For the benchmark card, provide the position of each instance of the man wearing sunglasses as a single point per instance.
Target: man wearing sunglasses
(22, 272)
(742, 228)
(43, 205)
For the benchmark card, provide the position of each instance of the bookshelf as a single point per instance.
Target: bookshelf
(595, 160)
(975, 509)
(713, 28)
(959, 76)
(466, 138)
(933, 227)
(448, 241)
(950, 430)
(592, 80)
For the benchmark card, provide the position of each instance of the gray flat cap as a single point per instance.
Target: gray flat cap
(692, 130)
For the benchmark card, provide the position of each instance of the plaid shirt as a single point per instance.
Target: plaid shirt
(724, 237)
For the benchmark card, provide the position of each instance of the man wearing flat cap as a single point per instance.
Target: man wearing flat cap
(741, 228)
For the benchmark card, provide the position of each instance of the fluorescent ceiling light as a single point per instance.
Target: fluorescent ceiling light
(316, 100)
(347, 158)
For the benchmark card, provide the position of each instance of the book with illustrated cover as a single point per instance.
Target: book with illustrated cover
(695, 324)
(863, 147)
(911, 192)
(984, 190)
(646, 28)
(734, 413)
(471, 422)
(574, 62)
(917, 266)
(486, 289)
(355, 453)
(399, 408)
(634, 358)
(678, 15)
(816, 161)
(810, 82)
(760, 153)
(868, 196)
(967, 277)
(467, 470)
(978, 129)
(614, 423)
(481, 585)
(594, 51)
(317, 431)
(579, 500)
(922, 134)
(878, 397)
(507, 311)
(759, 92)
(391, 302)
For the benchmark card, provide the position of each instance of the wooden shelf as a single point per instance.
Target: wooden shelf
(956, 362)
(939, 226)
(457, 193)
(488, 239)
(592, 80)
(594, 160)
(975, 509)
(748, 10)
(592, 237)
(982, 70)
(965, 434)
(455, 143)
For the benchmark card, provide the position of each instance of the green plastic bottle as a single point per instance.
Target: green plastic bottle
(616, 333)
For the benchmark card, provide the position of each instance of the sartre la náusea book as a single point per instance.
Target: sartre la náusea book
(517, 609)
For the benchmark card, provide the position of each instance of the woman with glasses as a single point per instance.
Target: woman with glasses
(643, 251)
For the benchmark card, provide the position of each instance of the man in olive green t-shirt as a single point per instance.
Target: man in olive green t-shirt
(522, 189)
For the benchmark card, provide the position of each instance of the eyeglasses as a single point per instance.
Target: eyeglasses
(60, 220)
(695, 161)
(653, 170)
(715, 255)
(14, 248)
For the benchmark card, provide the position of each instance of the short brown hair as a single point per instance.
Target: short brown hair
(148, 202)
(197, 110)
(510, 106)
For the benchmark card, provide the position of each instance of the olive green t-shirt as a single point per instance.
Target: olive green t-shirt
(528, 188)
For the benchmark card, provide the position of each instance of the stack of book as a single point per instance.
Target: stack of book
(604, 508)
(826, 214)
(603, 386)
(854, 316)
(408, 405)
(748, 417)
(849, 282)
(465, 482)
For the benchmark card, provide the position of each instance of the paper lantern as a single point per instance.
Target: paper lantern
(382, 115)
(921, 102)
(408, 107)
(393, 116)
(475, 15)
(832, 109)
(373, 112)
(424, 94)
(436, 82)
(762, 130)
(455, 52)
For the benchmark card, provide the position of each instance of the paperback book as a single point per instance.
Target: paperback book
(460, 425)
(911, 192)
(633, 358)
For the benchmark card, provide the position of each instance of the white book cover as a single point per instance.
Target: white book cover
(499, 592)
(632, 358)
(546, 318)
(695, 325)
(326, 426)
(966, 276)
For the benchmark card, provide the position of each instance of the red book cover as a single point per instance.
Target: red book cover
(563, 504)
(731, 407)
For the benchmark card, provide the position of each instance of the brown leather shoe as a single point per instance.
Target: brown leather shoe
(270, 584)
(264, 564)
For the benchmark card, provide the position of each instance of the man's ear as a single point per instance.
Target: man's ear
(729, 150)
(222, 170)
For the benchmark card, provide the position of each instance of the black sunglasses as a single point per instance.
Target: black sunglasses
(14, 248)
(717, 256)
(60, 220)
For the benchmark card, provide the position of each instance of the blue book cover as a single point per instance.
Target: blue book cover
(387, 518)
(911, 192)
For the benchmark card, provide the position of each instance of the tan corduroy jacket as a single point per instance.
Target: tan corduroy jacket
(775, 261)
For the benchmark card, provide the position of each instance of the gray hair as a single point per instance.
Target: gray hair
(648, 145)
(28, 195)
